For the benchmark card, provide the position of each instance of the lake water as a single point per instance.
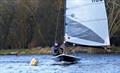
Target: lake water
(89, 63)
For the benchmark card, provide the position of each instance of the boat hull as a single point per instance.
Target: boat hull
(66, 59)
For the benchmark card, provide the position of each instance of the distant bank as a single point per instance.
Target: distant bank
(25, 51)
(47, 50)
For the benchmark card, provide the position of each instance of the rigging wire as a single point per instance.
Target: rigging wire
(57, 23)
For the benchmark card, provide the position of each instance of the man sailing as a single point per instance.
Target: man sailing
(56, 49)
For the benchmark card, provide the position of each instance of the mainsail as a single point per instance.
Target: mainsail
(86, 22)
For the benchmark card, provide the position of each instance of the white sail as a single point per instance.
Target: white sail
(86, 22)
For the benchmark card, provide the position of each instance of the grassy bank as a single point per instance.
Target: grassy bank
(116, 49)
(48, 51)
(113, 49)
(26, 51)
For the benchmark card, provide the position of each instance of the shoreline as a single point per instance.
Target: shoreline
(47, 51)
(25, 51)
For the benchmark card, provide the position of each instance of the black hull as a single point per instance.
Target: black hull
(69, 59)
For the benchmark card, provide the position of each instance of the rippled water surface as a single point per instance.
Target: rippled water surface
(89, 63)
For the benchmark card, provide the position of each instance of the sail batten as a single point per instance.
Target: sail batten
(86, 22)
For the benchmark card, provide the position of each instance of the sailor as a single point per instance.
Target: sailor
(56, 49)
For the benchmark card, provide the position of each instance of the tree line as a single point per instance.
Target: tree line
(32, 23)
(113, 13)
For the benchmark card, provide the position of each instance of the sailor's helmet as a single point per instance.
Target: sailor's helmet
(56, 44)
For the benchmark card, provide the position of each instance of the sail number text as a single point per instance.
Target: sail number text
(96, 0)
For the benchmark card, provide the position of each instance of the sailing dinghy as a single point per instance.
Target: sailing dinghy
(85, 24)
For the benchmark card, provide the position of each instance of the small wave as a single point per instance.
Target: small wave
(14, 61)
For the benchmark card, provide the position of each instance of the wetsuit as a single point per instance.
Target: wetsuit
(56, 50)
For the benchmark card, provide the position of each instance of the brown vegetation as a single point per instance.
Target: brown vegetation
(31, 23)
(113, 11)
